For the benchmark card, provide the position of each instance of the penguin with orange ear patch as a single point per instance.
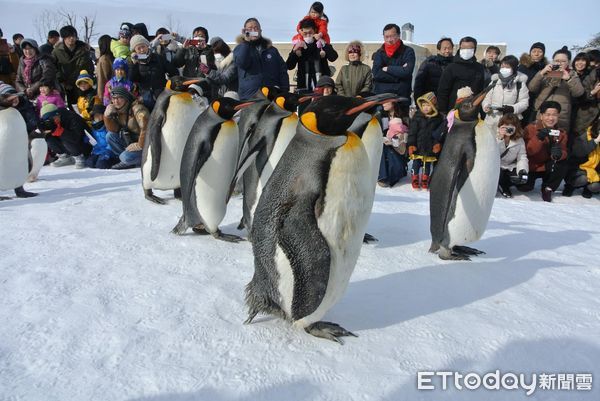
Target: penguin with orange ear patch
(207, 168)
(176, 110)
(310, 220)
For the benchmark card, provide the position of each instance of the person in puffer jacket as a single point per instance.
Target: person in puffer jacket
(355, 77)
(585, 153)
(514, 165)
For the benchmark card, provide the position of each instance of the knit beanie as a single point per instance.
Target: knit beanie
(325, 80)
(463, 93)
(538, 45)
(84, 76)
(6, 89)
(31, 42)
(564, 50)
(429, 98)
(122, 92)
(137, 40)
(120, 63)
(48, 111)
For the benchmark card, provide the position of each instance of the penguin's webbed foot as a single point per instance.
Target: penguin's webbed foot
(369, 239)
(251, 315)
(447, 254)
(153, 198)
(434, 247)
(328, 330)
(21, 193)
(180, 227)
(200, 230)
(465, 250)
(227, 237)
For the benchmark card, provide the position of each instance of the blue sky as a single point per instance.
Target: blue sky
(517, 23)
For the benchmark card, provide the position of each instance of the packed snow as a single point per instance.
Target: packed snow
(99, 301)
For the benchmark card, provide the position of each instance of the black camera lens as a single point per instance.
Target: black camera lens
(510, 130)
(555, 67)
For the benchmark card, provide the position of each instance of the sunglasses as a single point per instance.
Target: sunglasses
(353, 51)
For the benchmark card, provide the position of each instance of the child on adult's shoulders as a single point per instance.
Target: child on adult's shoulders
(321, 37)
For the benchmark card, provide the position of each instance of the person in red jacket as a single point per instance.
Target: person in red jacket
(316, 14)
(546, 151)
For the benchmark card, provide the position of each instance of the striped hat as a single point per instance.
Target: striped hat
(6, 89)
(84, 76)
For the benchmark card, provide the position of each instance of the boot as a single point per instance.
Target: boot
(586, 193)
(415, 181)
(547, 194)
(425, 181)
(567, 190)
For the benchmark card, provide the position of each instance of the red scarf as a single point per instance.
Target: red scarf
(391, 49)
(59, 129)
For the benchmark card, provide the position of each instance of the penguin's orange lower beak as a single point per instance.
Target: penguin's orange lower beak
(242, 105)
(191, 82)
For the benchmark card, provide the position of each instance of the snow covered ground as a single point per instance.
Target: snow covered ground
(98, 301)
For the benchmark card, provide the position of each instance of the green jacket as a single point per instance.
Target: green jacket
(354, 79)
(69, 64)
(119, 50)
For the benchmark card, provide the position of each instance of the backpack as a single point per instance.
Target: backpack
(6, 67)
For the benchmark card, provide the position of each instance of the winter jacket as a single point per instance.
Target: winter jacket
(132, 118)
(422, 132)
(101, 147)
(54, 97)
(43, 72)
(586, 153)
(558, 90)
(353, 79)
(259, 64)
(169, 51)
(150, 74)
(9, 62)
(113, 83)
(103, 73)
(85, 102)
(190, 58)
(311, 66)
(515, 94)
(528, 67)
(587, 106)
(514, 155)
(224, 78)
(46, 48)
(31, 117)
(429, 74)
(321, 23)
(73, 125)
(70, 63)
(398, 78)
(119, 50)
(489, 70)
(458, 74)
(538, 152)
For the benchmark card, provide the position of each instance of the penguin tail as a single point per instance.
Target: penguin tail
(180, 227)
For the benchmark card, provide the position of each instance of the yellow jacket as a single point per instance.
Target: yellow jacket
(592, 162)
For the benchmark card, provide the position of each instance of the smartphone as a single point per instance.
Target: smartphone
(166, 37)
(252, 34)
(193, 42)
(141, 56)
(554, 132)
(203, 59)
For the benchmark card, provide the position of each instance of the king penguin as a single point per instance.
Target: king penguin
(273, 133)
(176, 110)
(463, 184)
(207, 169)
(310, 220)
(14, 152)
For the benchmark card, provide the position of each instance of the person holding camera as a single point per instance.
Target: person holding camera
(585, 155)
(196, 56)
(514, 165)
(557, 82)
(126, 122)
(546, 146)
(148, 70)
(165, 44)
(586, 108)
(258, 62)
(509, 94)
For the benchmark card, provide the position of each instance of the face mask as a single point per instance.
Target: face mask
(506, 72)
(466, 54)
(309, 40)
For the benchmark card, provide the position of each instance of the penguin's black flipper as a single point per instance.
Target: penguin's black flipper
(154, 130)
(21, 193)
(330, 331)
(369, 239)
(245, 163)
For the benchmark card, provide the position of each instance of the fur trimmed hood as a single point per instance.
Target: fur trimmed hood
(526, 60)
(355, 43)
(240, 39)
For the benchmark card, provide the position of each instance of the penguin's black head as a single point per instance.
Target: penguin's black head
(182, 84)
(333, 115)
(291, 101)
(468, 109)
(268, 92)
(226, 107)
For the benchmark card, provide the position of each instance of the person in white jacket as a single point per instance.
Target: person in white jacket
(514, 165)
(509, 94)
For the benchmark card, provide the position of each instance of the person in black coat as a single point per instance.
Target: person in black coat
(393, 64)
(530, 64)
(463, 71)
(148, 70)
(430, 71)
(312, 60)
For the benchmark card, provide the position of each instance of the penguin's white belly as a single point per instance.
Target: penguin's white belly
(286, 134)
(39, 149)
(347, 207)
(214, 179)
(372, 140)
(476, 197)
(180, 118)
(14, 152)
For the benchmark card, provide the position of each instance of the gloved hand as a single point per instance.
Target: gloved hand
(543, 133)
(411, 150)
(437, 148)
(507, 109)
(521, 173)
(204, 68)
(556, 151)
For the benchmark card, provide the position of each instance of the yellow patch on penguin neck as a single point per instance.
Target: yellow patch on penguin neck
(185, 96)
(352, 142)
(228, 124)
(168, 86)
(309, 120)
(373, 121)
(215, 106)
(280, 102)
